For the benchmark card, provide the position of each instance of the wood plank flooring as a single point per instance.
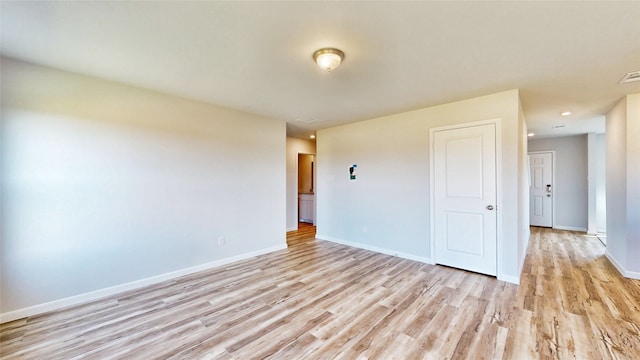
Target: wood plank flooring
(319, 300)
(305, 232)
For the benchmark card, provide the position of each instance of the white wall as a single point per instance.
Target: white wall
(633, 185)
(571, 196)
(592, 221)
(295, 146)
(617, 183)
(623, 185)
(523, 185)
(601, 183)
(105, 185)
(387, 207)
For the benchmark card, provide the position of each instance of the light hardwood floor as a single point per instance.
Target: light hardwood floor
(319, 300)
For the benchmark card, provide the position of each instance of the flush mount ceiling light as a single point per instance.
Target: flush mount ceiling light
(328, 58)
(565, 113)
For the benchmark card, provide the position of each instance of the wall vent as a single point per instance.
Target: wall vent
(630, 77)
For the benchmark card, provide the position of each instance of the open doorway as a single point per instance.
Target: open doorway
(295, 186)
(306, 189)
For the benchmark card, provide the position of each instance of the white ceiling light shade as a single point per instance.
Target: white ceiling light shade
(328, 58)
(565, 113)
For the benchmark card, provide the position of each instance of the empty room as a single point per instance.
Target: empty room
(426, 180)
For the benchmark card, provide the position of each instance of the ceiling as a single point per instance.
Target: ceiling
(400, 56)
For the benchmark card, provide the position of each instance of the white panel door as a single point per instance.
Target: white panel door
(541, 189)
(465, 198)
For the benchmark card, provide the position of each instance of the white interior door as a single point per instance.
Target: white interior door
(465, 217)
(541, 189)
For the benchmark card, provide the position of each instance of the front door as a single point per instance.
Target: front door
(541, 189)
(465, 198)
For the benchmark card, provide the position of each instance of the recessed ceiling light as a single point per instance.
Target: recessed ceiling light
(312, 136)
(531, 134)
(565, 113)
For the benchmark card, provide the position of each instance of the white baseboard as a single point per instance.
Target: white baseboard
(292, 228)
(624, 272)
(615, 263)
(101, 293)
(509, 279)
(516, 279)
(423, 259)
(380, 250)
(570, 228)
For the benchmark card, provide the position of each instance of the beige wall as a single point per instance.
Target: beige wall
(623, 191)
(305, 173)
(633, 185)
(107, 187)
(523, 185)
(616, 164)
(387, 208)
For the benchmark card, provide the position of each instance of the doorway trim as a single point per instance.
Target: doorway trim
(432, 239)
(553, 180)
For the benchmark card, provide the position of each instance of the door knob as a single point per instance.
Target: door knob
(489, 207)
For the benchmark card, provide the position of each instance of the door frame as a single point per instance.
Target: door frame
(553, 184)
(432, 241)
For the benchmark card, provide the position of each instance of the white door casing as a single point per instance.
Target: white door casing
(464, 189)
(541, 189)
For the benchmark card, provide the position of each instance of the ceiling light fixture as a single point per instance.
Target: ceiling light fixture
(312, 136)
(328, 58)
(531, 134)
(565, 113)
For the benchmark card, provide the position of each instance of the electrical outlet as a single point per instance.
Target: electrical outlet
(221, 240)
(364, 229)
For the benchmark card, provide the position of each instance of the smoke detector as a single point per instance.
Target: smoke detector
(630, 77)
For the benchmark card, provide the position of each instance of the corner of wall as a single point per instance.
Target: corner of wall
(124, 186)
(524, 232)
(616, 184)
(103, 293)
